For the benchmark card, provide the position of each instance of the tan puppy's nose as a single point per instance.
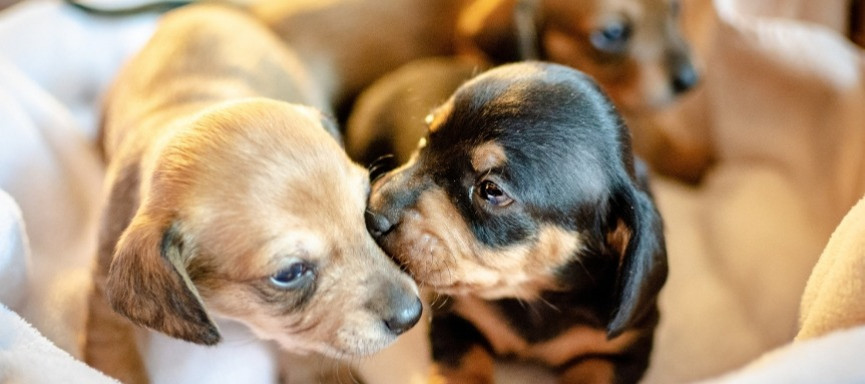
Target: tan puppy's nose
(684, 76)
(405, 317)
(398, 306)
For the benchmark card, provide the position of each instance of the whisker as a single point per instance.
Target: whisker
(549, 304)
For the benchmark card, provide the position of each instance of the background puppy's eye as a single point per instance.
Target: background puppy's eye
(612, 37)
(291, 276)
(491, 193)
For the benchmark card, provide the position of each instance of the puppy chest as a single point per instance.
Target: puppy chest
(539, 331)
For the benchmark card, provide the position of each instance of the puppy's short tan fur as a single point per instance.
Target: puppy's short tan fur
(226, 201)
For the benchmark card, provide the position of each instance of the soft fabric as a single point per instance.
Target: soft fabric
(782, 104)
(14, 253)
(835, 294)
(54, 66)
(26, 357)
(831, 341)
(833, 358)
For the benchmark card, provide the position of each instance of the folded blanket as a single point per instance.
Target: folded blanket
(14, 253)
(783, 104)
(833, 358)
(834, 297)
(831, 342)
(28, 357)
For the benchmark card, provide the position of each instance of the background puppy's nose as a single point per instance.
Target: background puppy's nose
(405, 317)
(377, 224)
(685, 78)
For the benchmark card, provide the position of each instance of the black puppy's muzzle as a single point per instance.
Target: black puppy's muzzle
(389, 197)
(377, 224)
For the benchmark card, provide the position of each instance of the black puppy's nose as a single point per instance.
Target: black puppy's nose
(685, 78)
(405, 317)
(377, 224)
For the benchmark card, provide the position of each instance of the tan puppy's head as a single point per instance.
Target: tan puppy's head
(253, 212)
(632, 48)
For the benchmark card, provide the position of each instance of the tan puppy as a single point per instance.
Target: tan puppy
(225, 201)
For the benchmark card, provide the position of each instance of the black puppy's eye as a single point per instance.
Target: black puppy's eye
(612, 37)
(291, 276)
(491, 193)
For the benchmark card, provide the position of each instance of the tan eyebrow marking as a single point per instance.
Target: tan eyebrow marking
(487, 156)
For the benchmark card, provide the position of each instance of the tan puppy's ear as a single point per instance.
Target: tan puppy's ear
(638, 237)
(148, 283)
(499, 31)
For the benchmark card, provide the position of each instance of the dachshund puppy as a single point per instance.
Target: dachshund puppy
(229, 198)
(387, 120)
(526, 210)
(634, 48)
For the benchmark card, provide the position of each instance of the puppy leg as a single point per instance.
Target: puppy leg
(460, 352)
(110, 342)
(589, 371)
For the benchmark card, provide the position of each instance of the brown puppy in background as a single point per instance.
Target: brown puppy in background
(225, 201)
(633, 48)
(525, 208)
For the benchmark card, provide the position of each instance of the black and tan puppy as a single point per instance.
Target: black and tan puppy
(229, 199)
(525, 208)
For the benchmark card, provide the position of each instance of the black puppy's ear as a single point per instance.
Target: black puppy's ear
(639, 239)
(499, 31)
(148, 283)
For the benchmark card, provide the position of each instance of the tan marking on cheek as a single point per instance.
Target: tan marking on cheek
(437, 246)
(580, 341)
(487, 156)
(525, 270)
(475, 367)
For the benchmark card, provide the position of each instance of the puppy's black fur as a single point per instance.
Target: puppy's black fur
(517, 153)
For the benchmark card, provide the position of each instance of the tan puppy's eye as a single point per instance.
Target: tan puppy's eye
(490, 193)
(292, 276)
(612, 37)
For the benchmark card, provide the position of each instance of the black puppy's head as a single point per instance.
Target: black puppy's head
(526, 170)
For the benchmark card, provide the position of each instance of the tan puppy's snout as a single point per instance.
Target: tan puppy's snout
(683, 73)
(397, 304)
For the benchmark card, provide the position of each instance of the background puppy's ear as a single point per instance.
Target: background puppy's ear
(147, 282)
(639, 239)
(499, 31)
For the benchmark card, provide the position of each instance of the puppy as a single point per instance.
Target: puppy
(230, 198)
(526, 210)
(387, 120)
(633, 48)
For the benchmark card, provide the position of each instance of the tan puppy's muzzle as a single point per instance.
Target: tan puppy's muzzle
(397, 305)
